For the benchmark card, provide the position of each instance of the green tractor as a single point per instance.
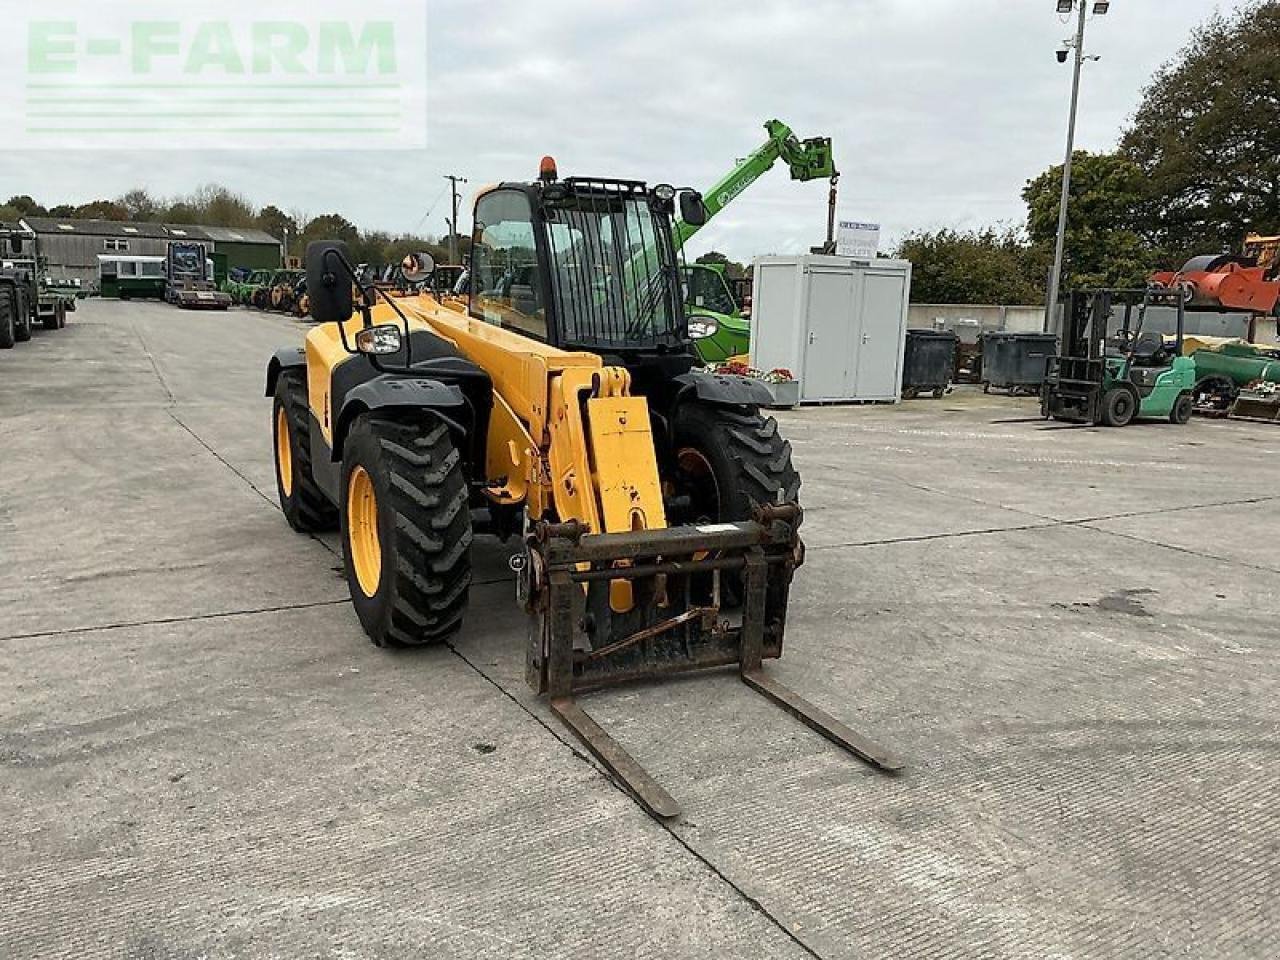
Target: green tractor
(241, 290)
(1113, 380)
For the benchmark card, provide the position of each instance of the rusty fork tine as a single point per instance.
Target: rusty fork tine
(818, 719)
(615, 759)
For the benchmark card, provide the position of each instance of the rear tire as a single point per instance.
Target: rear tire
(1118, 407)
(8, 322)
(303, 503)
(1183, 407)
(406, 530)
(22, 319)
(51, 322)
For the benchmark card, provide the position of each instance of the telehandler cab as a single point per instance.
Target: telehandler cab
(655, 506)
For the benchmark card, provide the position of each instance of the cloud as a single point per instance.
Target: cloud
(940, 110)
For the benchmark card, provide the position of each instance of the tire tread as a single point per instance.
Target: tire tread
(433, 535)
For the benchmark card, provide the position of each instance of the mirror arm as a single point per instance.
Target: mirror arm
(408, 343)
(365, 313)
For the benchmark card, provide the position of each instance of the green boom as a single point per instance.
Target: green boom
(808, 160)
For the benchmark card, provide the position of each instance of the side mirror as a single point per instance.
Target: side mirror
(15, 243)
(416, 267)
(692, 210)
(329, 277)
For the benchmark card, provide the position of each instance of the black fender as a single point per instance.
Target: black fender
(286, 358)
(721, 389)
(399, 392)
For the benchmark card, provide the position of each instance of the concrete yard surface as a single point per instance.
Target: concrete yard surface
(1069, 634)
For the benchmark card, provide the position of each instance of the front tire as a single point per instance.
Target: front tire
(304, 505)
(406, 530)
(727, 460)
(1118, 407)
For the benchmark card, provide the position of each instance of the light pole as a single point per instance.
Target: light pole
(1100, 7)
(453, 224)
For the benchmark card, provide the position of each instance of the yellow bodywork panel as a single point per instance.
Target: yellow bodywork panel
(511, 453)
(565, 436)
(518, 365)
(324, 354)
(627, 485)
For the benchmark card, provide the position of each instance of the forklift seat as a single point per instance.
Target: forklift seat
(1150, 349)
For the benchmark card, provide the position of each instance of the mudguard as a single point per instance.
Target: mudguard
(286, 358)
(392, 391)
(723, 389)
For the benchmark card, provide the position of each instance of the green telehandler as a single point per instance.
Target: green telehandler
(1113, 380)
(716, 322)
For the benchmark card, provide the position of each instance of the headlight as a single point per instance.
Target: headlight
(702, 327)
(665, 192)
(381, 339)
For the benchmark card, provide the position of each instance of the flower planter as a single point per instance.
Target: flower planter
(786, 393)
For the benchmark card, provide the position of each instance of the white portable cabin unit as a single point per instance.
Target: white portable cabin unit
(838, 324)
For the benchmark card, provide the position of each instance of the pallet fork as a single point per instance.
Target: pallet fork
(683, 630)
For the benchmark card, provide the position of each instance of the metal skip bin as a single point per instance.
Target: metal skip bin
(928, 362)
(1016, 361)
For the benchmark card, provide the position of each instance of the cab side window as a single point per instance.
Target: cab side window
(505, 286)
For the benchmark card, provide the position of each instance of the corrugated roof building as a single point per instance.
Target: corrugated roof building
(72, 247)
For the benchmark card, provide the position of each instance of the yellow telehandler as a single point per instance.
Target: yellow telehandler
(558, 402)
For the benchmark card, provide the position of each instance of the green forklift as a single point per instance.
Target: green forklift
(1114, 379)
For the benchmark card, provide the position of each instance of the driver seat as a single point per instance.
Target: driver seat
(1149, 349)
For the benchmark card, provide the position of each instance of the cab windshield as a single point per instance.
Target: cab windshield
(612, 269)
(707, 289)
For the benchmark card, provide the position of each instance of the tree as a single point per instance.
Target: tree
(1104, 246)
(1207, 135)
(179, 211)
(984, 266)
(216, 206)
(26, 207)
(140, 204)
(101, 210)
(732, 269)
(329, 226)
(271, 219)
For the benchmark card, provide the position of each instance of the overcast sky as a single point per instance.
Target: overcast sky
(940, 110)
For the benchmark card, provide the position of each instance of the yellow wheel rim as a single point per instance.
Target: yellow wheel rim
(284, 453)
(362, 530)
(695, 464)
